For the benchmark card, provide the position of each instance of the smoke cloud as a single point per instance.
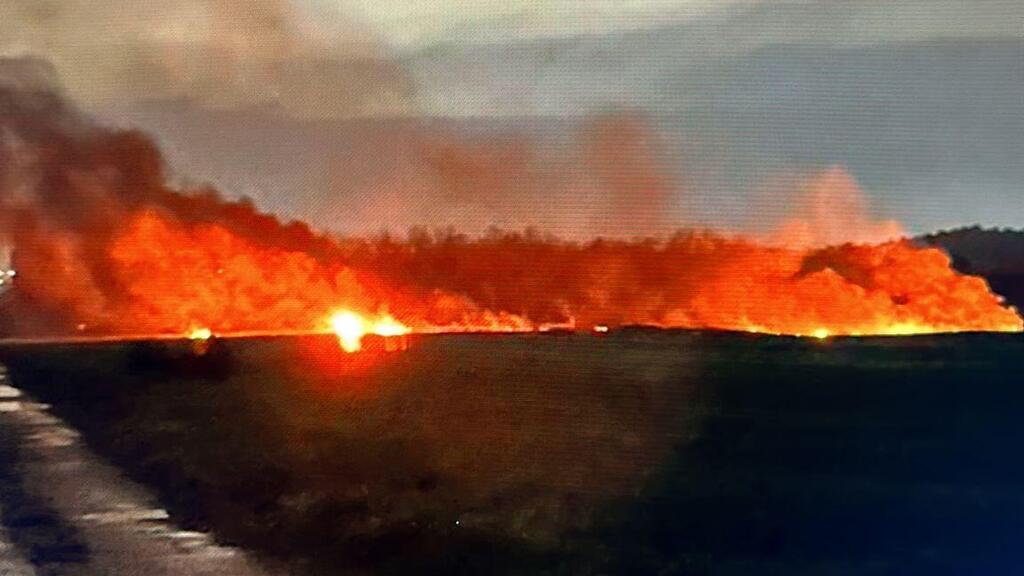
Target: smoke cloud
(71, 189)
(102, 243)
(215, 53)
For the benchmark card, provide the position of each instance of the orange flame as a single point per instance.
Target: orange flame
(104, 245)
(192, 279)
(350, 328)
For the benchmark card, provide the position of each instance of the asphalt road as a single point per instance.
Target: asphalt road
(63, 511)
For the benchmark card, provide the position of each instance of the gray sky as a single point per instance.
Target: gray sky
(321, 109)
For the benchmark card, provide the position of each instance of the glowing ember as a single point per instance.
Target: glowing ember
(601, 329)
(200, 334)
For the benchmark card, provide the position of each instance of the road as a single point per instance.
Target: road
(63, 511)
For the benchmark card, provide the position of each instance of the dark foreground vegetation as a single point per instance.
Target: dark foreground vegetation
(634, 453)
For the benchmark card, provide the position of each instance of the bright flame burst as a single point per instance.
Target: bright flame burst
(698, 281)
(350, 328)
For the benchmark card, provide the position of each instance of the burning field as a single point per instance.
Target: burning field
(699, 401)
(104, 246)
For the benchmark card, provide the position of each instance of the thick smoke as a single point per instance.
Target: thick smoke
(830, 209)
(69, 192)
(607, 175)
(221, 54)
(102, 244)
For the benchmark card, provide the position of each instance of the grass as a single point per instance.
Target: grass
(653, 453)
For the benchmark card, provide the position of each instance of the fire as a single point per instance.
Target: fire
(350, 328)
(894, 288)
(705, 280)
(206, 275)
(201, 340)
(104, 242)
(387, 326)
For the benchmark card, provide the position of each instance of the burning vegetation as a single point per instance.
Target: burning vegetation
(103, 244)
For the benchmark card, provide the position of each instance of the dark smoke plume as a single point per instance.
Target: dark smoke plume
(69, 186)
(102, 243)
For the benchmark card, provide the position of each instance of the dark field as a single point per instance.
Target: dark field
(635, 453)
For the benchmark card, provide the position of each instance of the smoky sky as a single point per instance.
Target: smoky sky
(322, 111)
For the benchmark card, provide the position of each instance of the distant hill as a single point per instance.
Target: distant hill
(997, 255)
